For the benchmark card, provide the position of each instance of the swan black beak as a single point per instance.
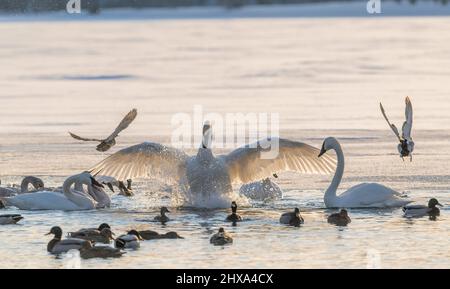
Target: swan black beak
(322, 152)
(95, 183)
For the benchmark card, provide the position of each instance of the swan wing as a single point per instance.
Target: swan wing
(407, 125)
(144, 160)
(246, 165)
(126, 121)
(391, 125)
(83, 138)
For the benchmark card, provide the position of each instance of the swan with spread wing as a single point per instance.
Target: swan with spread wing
(205, 175)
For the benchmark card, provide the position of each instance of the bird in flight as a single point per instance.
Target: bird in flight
(406, 146)
(109, 142)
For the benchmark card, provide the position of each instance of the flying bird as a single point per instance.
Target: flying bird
(109, 142)
(406, 146)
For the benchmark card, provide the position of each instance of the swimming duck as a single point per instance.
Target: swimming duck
(339, 219)
(10, 219)
(421, 210)
(84, 230)
(292, 218)
(88, 251)
(162, 218)
(152, 235)
(221, 238)
(129, 241)
(58, 246)
(95, 236)
(234, 217)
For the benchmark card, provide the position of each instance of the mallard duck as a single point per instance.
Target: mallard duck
(162, 218)
(87, 230)
(88, 251)
(152, 235)
(421, 210)
(58, 246)
(339, 219)
(221, 238)
(129, 241)
(234, 217)
(292, 218)
(10, 219)
(104, 236)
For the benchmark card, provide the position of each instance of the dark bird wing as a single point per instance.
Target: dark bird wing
(83, 139)
(126, 121)
(391, 125)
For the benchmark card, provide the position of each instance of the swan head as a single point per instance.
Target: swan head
(37, 183)
(328, 144)
(57, 231)
(432, 203)
(207, 135)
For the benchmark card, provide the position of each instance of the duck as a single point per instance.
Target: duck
(204, 177)
(129, 240)
(152, 235)
(406, 146)
(58, 246)
(89, 230)
(339, 219)
(292, 218)
(233, 217)
(162, 217)
(421, 210)
(263, 190)
(69, 200)
(365, 195)
(110, 141)
(10, 219)
(36, 182)
(104, 236)
(89, 251)
(221, 238)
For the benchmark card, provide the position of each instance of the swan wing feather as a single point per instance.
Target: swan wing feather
(148, 160)
(246, 165)
(407, 125)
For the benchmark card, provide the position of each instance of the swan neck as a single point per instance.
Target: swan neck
(330, 194)
(24, 185)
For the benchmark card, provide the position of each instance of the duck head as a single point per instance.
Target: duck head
(343, 213)
(164, 210)
(234, 207)
(432, 203)
(107, 233)
(136, 233)
(297, 211)
(207, 135)
(56, 231)
(221, 230)
(103, 226)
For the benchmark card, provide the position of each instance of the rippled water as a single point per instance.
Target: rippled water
(324, 77)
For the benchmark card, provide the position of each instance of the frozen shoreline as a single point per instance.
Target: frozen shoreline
(350, 9)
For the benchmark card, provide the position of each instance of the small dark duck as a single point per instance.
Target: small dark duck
(339, 219)
(234, 217)
(415, 211)
(221, 238)
(152, 235)
(162, 218)
(88, 251)
(292, 218)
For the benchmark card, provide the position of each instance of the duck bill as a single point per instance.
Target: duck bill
(439, 204)
(49, 233)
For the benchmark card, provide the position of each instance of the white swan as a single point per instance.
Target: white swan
(37, 183)
(206, 178)
(406, 146)
(362, 195)
(69, 200)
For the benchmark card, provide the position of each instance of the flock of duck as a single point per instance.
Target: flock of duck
(203, 176)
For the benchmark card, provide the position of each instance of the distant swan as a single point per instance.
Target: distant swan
(206, 178)
(37, 183)
(69, 200)
(362, 195)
